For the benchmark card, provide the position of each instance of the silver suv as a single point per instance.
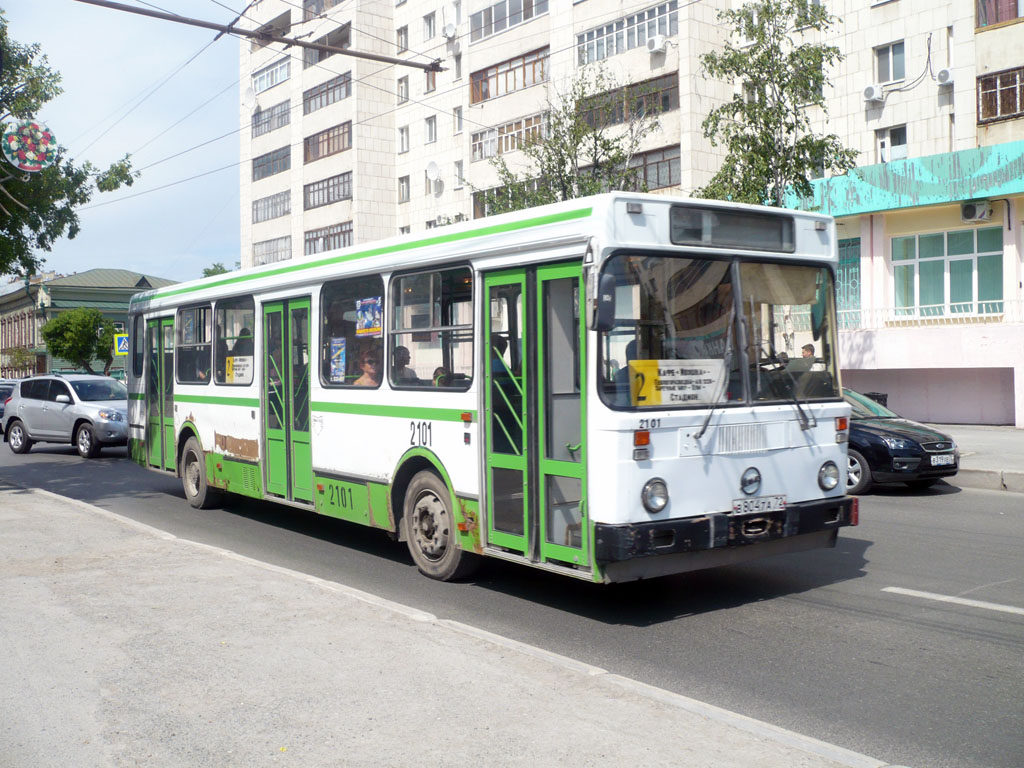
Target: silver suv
(86, 411)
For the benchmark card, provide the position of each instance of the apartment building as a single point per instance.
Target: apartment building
(339, 150)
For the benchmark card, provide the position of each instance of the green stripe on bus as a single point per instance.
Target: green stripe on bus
(554, 218)
(395, 411)
(245, 402)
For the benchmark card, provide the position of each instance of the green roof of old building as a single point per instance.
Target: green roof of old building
(110, 278)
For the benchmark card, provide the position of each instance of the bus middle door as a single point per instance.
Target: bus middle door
(160, 393)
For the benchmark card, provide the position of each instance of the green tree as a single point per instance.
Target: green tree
(20, 358)
(217, 268)
(80, 336)
(765, 128)
(36, 209)
(591, 132)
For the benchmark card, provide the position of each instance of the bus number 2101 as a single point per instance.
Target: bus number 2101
(420, 433)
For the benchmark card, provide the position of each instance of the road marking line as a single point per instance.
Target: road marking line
(957, 600)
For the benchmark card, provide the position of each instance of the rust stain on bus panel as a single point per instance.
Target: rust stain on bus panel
(236, 446)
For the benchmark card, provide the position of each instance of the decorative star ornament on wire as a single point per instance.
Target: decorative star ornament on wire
(30, 146)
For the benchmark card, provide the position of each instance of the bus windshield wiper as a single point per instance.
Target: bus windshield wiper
(806, 422)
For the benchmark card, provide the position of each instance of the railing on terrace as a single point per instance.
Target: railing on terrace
(968, 313)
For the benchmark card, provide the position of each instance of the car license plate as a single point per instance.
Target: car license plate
(759, 504)
(938, 461)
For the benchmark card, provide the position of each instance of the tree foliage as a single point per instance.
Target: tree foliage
(20, 358)
(80, 336)
(591, 132)
(217, 268)
(765, 128)
(36, 209)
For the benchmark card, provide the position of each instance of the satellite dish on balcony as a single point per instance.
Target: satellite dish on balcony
(249, 98)
(433, 171)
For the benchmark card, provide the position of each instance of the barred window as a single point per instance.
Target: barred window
(339, 38)
(502, 15)
(627, 33)
(329, 142)
(270, 76)
(271, 207)
(329, 238)
(659, 167)
(327, 191)
(508, 76)
(508, 137)
(320, 96)
(267, 120)
(269, 251)
(273, 162)
(1001, 95)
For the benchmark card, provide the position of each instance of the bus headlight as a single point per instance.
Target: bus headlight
(828, 476)
(654, 495)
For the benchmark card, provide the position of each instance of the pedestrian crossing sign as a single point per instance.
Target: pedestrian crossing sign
(120, 344)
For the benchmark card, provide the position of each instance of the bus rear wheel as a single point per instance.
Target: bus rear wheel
(193, 477)
(430, 530)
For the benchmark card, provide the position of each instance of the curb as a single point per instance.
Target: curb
(792, 739)
(989, 479)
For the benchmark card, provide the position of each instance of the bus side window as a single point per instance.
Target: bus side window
(352, 335)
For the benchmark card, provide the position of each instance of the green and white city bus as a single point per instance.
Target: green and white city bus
(610, 388)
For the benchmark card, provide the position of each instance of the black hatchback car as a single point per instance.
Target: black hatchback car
(885, 448)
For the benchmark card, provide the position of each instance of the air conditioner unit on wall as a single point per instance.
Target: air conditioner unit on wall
(656, 43)
(873, 93)
(975, 211)
(944, 76)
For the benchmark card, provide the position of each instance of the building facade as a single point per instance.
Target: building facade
(339, 150)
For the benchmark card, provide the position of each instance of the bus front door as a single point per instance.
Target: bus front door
(289, 460)
(535, 385)
(160, 393)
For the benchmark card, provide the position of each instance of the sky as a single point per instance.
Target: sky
(111, 63)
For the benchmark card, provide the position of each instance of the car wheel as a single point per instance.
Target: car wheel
(86, 442)
(430, 530)
(17, 438)
(858, 474)
(920, 485)
(193, 477)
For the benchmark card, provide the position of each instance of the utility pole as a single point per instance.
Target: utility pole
(265, 37)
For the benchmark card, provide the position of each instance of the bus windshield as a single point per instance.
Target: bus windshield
(702, 331)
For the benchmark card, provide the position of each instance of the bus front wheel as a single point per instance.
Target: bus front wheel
(193, 477)
(430, 530)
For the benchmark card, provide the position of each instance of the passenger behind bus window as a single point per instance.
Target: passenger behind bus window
(243, 344)
(401, 373)
(442, 378)
(369, 367)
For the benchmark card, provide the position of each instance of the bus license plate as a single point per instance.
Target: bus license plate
(759, 504)
(938, 461)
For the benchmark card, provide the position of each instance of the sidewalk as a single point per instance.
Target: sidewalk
(124, 645)
(990, 457)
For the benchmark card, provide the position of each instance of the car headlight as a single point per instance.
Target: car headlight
(899, 444)
(111, 416)
(828, 476)
(654, 495)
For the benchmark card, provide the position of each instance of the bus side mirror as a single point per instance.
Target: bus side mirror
(604, 309)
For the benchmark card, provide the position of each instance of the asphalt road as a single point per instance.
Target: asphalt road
(858, 646)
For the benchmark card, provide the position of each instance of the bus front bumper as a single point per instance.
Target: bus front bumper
(722, 532)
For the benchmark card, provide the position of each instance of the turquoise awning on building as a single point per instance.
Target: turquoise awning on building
(952, 177)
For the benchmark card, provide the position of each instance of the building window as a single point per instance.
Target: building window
(327, 191)
(626, 33)
(329, 142)
(277, 26)
(457, 119)
(458, 66)
(320, 96)
(352, 320)
(430, 224)
(192, 355)
(329, 238)
(1001, 95)
(402, 39)
(429, 26)
(273, 162)
(889, 62)
(403, 89)
(404, 230)
(272, 207)
(458, 174)
(267, 120)
(268, 77)
(269, 251)
(430, 127)
(660, 94)
(508, 76)
(892, 143)
(502, 15)
(506, 138)
(431, 82)
(997, 11)
(403, 139)
(339, 38)
(659, 168)
(313, 8)
(949, 273)
(403, 189)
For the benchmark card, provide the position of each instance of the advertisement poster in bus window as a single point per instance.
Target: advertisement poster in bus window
(369, 315)
(238, 369)
(675, 382)
(338, 360)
